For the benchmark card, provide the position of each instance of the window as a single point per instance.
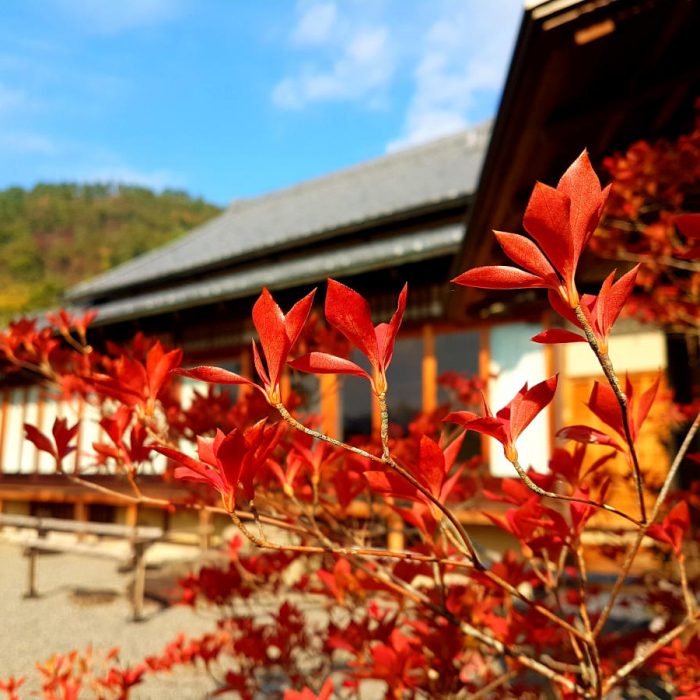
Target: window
(456, 352)
(405, 395)
(356, 401)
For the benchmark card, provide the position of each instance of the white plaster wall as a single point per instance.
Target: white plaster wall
(516, 359)
(631, 352)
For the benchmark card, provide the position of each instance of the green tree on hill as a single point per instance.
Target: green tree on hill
(53, 236)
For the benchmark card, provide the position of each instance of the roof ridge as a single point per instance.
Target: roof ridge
(448, 149)
(480, 132)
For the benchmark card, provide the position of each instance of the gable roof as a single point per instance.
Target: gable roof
(410, 181)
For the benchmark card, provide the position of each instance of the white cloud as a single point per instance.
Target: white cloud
(28, 143)
(124, 174)
(112, 17)
(354, 59)
(11, 98)
(315, 24)
(464, 55)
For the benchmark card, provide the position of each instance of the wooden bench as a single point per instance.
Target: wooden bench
(139, 539)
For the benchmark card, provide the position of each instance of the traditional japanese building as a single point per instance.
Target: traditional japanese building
(578, 79)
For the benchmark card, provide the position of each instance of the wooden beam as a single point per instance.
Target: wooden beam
(484, 374)
(430, 370)
(330, 405)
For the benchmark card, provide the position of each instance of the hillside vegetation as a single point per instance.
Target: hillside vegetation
(53, 236)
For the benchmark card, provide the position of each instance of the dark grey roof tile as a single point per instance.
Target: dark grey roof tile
(407, 180)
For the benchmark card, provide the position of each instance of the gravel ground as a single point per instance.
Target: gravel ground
(81, 602)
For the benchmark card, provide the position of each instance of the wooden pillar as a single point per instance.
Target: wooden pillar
(139, 550)
(205, 529)
(484, 373)
(329, 387)
(3, 430)
(80, 514)
(395, 540)
(31, 573)
(430, 370)
(132, 514)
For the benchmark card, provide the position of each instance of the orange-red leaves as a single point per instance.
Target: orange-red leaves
(499, 277)
(228, 462)
(673, 528)
(600, 310)
(213, 375)
(507, 425)
(323, 363)
(278, 333)
(561, 221)
(325, 693)
(62, 436)
(134, 384)
(348, 312)
(604, 404)
(546, 219)
(525, 253)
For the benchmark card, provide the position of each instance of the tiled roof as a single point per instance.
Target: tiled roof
(405, 181)
(306, 269)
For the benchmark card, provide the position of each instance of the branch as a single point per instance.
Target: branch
(641, 658)
(493, 685)
(655, 260)
(387, 460)
(560, 497)
(629, 559)
(162, 502)
(609, 371)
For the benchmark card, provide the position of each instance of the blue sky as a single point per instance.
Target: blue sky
(233, 98)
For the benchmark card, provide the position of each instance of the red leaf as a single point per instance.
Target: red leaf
(612, 299)
(674, 527)
(323, 363)
(296, 317)
(498, 277)
(348, 312)
(278, 332)
(689, 225)
(451, 452)
(525, 253)
(213, 375)
(41, 442)
(558, 335)
(431, 465)
(644, 404)
(391, 485)
(526, 406)
(587, 435)
(158, 365)
(604, 405)
(62, 436)
(581, 185)
(546, 219)
(387, 336)
(487, 425)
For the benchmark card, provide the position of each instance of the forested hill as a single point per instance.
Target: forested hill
(54, 236)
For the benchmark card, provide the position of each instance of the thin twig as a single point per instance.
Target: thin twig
(493, 685)
(641, 658)
(560, 497)
(591, 645)
(688, 597)
(609, 371)
(390, 462)
(632, 553)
